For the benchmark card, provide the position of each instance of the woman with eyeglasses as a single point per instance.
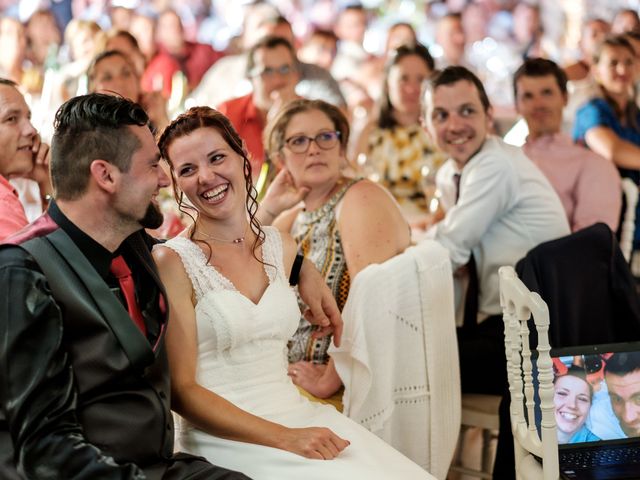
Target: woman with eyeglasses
(232, 312)
(342, 225)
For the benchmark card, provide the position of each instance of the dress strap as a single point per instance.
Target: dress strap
(337, 197)
(203, 277)
(272, 253)
(342, 193)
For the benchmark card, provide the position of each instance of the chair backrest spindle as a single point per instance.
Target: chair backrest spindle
(519, 305)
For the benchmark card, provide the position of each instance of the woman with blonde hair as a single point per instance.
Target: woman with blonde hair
(343, 224)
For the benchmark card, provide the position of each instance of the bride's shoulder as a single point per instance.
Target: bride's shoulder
(166, 255)
(173, 272)
(172, 251)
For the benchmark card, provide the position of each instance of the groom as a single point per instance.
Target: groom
(84, 381)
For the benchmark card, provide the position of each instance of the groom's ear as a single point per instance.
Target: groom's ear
(104, 175)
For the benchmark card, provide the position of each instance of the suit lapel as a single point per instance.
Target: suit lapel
(135, 346)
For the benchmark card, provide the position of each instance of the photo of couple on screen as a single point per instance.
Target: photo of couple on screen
(597, 397)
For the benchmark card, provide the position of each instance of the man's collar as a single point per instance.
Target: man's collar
(557, 137)
(98, 255)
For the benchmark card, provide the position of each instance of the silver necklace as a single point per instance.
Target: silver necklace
(235, 241)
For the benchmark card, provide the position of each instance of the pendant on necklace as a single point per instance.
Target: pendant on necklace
(236, 241)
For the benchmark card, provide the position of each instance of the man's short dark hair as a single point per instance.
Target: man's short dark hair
(269, 42)
(455, 74)
(540, 67)
(622, 363)
(87, 128)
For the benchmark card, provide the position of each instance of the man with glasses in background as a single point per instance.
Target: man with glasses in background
(272, 68)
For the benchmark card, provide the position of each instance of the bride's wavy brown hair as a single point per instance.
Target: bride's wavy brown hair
(205, 117)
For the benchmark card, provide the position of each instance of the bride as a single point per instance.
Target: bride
(232, 312)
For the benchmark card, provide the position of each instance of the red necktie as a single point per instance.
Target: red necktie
(121, 271)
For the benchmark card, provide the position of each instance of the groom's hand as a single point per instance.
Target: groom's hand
(323, 310)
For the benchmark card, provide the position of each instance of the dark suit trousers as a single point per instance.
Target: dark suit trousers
(188, 467)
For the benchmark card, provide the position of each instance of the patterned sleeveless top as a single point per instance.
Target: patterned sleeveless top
(318, 239)
(398, 155)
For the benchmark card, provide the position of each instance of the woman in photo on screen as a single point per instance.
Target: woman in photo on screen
(572, 402)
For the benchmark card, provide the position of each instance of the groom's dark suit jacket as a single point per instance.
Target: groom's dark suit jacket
(83, 393)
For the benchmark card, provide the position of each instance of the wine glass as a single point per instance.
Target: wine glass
(366, 168)
(430, 189)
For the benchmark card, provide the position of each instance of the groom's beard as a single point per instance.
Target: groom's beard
(152, 218)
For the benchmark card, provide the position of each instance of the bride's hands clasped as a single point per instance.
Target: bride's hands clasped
(314, 442)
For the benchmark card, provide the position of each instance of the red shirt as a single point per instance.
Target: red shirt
(247, 120)
(195, 63)
(12, 217)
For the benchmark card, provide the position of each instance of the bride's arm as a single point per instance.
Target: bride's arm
(203, 408)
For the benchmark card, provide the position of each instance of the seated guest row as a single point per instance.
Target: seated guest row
(498, 206)
(112, 403)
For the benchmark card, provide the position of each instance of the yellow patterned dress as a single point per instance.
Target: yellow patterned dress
(398, 156)
(318, 239)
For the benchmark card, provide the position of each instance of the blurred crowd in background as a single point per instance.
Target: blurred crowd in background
(177, 54)
(491, 36)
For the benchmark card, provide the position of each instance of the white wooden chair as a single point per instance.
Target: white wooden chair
(399, 356)
(518, 305)
(478, 411)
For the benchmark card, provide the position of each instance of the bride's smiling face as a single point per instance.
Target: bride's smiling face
(209, 172)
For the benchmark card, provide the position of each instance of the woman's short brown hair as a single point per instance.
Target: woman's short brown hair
(273, 137)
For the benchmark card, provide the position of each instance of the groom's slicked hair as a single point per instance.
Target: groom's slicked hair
(87, 128)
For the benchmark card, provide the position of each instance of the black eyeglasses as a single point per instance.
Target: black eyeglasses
(270, 72)
(324, 140)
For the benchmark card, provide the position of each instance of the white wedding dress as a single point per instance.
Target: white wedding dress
(242, 356)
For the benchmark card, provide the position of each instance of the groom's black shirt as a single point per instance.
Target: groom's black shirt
(147, 294)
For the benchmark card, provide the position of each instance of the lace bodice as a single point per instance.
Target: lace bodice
(241, 344)
(205, 278)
